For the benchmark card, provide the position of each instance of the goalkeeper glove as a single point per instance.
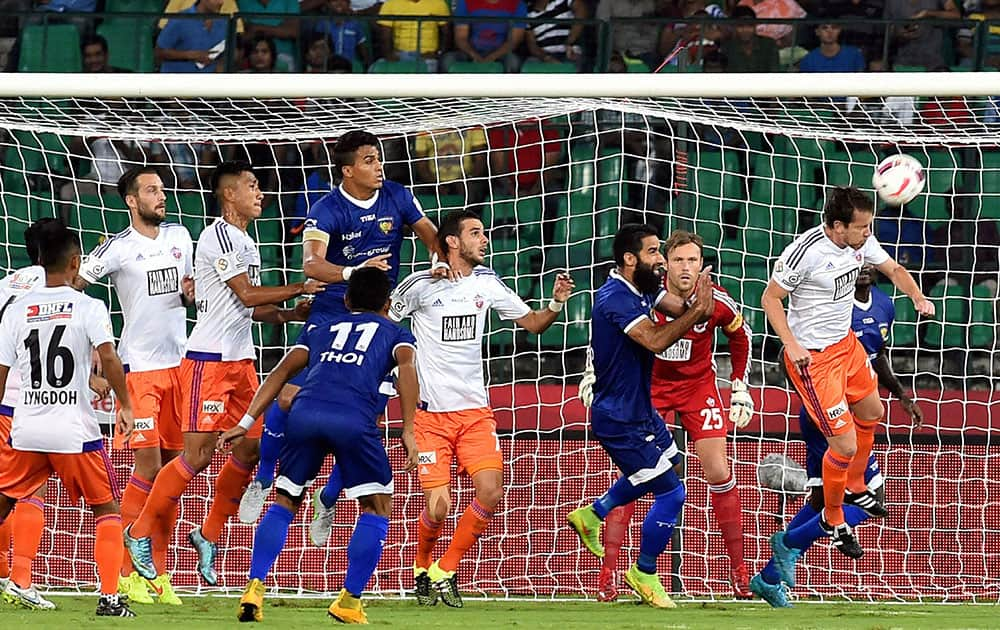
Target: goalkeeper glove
(586, 393)
(740, 404)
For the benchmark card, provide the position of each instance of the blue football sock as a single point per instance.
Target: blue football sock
(770, 573)
(269, 540)
(621, 493)
(270, 443)
(332, 489)
(805, 513)
(658, 527)
(854, 515)
(364, 551)
(803, 536)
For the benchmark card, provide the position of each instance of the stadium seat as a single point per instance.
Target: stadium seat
(50, 48)
(754, 282)
(986, 182)
(905, 68)
(188, 208)
(715, 186)
(983, 328)
(475, 67)
(437, 206)
(535, 66)
(130, 43)
(852, 169)
(573, 237)
(98, 217)
(904, 328)
(572, 328)
(943, 177)
(128, 6)
(383, 66)
(947, 330)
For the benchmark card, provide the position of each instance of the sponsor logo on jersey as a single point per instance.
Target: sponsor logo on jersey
(385, 224)
(96, 268)
(398, 306)
(222, 265)
(163, 281)
(458, 328)
(367, 218)
(867, 320)
(478, 301)
(679, 351)
(829, 266)
(350, 236)
(438, 302)
(430, 457)
(213, 406)
(843, 285)
(839, 424)
(145, 424)
(700, 328)
(348, 252)
(23, 281)
(837, 411)
(254, 272)
(50, 311)
(176, 253)
(140, 258)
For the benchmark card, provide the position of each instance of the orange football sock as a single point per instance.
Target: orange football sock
(856, 471)
(170, 484)
(108, 551)
(5, 546)
(427, 534)
(834, 481)
(133, 499)
(29, 522)
(161, 540)
(229, 487)
(471, 526)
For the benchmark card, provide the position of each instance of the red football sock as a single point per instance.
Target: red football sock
(865, 432)
(170, 484)
(615, 530)
(834, 481)
(29, 522)
(427, 534)
(725, 499)
(108, 551)
(471, 526)
(229, 486)
(133, 499)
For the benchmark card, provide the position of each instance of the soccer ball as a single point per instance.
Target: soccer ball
(898, 179)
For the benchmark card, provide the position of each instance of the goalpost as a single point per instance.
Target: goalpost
(554, 164)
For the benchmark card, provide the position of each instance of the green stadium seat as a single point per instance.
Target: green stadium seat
(755, 278)
(906, 68)
(383, 66)
(943, 177)
(98, 217)
(637, 66)
(715, 187)
(188, 208)
(475, 67)
(582, 157)
(535, 66)
(947, 330)
(983, 329)
(852, 169)
(407, 257)
(572, 329)
(986, 182)
(50, 48)
(573, 236)
(904, 328)
(130, 43)
(128, 6)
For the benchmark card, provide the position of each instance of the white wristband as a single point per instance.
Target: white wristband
(346, 273)
(556, 307)
(247, 422)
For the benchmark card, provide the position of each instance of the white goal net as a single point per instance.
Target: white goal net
(553, 178)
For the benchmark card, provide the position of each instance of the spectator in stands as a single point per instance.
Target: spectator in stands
(879, 112)
(488, 41)
(830, 55)
(412, 40)
(94, 50)
(745, 50)
(347, 36)
(229, 8)
(316, 56)
(919, 44)
(279, 22)
(453, 161)
(965, 50)
(191, 43)
(688, 44)
(554, 42)
(634, 40)
(85, 25)
(859, 29)
(526, 153)
(988, 10)
(782, 34)
(262, 54)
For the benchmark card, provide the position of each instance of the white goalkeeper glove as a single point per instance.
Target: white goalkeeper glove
(586, 392)
(740, 404)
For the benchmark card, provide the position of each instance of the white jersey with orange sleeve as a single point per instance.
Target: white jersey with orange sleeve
(14, 285)
(448, 320)
(223, 329)
(147, 275)
(46, 336)
(819, 276)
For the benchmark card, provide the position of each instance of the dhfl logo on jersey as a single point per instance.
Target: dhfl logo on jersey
(50, 311)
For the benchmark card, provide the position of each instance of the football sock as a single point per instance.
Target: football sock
(615, 530)
(229, 487)
(834, 483)
(428, 531)
(364, 551)
(332, 489)
(658, 527)
(803, 536)
(269, 540)
(865, 432)
(136, 491)
(805, 513)
(26, 530)
(725, 500)
(620, 493)
(168, 487)
(270, 443)
(5, 546)
(471, 526)
(162, 536)
(108, 551)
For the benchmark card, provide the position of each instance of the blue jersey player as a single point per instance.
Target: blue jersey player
(871, 321)
(348, 357)
(358, 224)
(624, 338)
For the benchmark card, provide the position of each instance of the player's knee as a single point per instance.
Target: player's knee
(489, 496)
(716, 471)
(111, 507)
(147, 463)
(286, 396)
(199, 458)
(439, 505)
(247, 452)
(287, 501)
(378, 504)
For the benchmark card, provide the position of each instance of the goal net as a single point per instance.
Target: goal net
(553, 178)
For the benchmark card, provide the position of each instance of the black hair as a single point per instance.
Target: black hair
(339, 65)
(33, 233)
(628, 240)
(230, 167)
(744, 12)
(345, 151)
(452, 226)
(90, 40)
(368, 289)
(57, 244)
(127, 182)
(842, 202)
(270, 45)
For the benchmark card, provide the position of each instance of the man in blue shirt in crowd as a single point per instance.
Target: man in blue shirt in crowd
(190, 44)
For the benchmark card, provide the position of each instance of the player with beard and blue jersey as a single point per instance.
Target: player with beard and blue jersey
(624, 339)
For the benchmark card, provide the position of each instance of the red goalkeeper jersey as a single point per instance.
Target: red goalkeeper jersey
(688, 362)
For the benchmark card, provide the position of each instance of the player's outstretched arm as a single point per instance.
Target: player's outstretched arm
(271, 314)
(251, 296)
(317, 267)
(904, 282)
(887, 377)
(115, 375)
(409, 394)
(291, 364)
(658, 338)
(539, 321)
(427, 233)
(771, 301)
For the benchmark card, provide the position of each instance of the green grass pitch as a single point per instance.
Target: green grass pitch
(207, 613)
